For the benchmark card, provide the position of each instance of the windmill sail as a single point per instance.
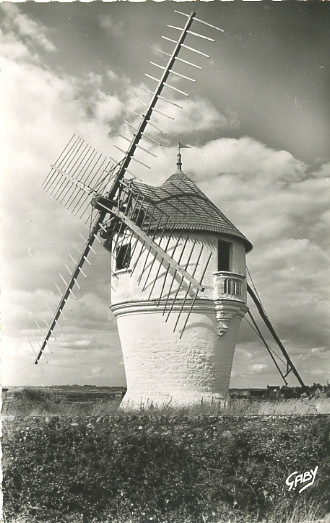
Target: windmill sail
(134, 223)
(289, 364)
(72, 282)
(81, 176)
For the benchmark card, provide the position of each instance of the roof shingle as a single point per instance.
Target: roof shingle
(187, 207)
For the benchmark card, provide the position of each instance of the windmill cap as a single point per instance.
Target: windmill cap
(188, 207)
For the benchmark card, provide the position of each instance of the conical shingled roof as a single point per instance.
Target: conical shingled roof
(188, 207)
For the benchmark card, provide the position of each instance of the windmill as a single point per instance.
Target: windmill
(178, 264)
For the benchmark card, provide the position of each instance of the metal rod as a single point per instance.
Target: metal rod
(123, 165)
(160, 98)
(124, 137)
(160, 263)
(68, 291)
(153, 237)
(157, 65)
(80, 161)
(179, 261)
(37, 324)
(130, 125)
(169, 39)
(65, 282)
(132, 233)
(114, 247)
(89, 217)
(139, 161)
(79, 204)
(84, 256)
(60, 160)
(180, 283)
(180, 59)
(152, 77)
(276, 338)
(67, 168)
(188, 289)
(101, 173)
(136, 221)
(119, 149)
(136, 114)
(195, 50)
(144, 122)
(155, 111)
(98, 239)
(57, 287)
(68, 269)
(155, 257)
(210, 25)
(157, 128)
(57, 160)
(82, 272)
(143, 244)
(174, 27)
(168, 268)
(267, 346)
(85, 240)
(194, 299)
(192, 33)
(85, 167)
(147, 137)
(147, 151)
(182, 76)
(175, 89)
(201, 36)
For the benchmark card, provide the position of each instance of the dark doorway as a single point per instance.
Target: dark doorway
(224, 255)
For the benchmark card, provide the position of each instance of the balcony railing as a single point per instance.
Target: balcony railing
(228, 285)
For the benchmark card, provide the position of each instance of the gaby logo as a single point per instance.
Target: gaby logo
(307, 477)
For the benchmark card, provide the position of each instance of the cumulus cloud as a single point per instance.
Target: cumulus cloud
(281, 205)
(193, 115)
(37, 233)
(25, 28)
(276, 200)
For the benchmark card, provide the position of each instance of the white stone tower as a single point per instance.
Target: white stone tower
(163, 368)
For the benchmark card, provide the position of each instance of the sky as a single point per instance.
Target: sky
(257, 121)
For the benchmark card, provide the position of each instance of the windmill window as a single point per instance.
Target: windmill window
(123, 257)
(224, 255)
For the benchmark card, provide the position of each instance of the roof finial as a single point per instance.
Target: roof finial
(178, 161)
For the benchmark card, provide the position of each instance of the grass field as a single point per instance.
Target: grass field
(189, 465)
(102, 401)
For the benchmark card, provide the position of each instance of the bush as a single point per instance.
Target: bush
(164, 468)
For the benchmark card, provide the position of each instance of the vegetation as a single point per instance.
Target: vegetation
(174, 466)
(85, 401)
(61, 401)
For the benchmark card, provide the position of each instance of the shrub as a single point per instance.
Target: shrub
(165, 468)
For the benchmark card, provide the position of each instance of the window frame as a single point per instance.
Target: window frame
(230, 255)
(124, 255)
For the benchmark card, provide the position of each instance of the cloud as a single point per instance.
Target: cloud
(281, 205)
(25, 28)
(107, 23)
(258, 367)
(279, 202)
(195, 114)
(107, 108)
(37, 233)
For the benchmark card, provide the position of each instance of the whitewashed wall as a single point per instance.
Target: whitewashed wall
(160, 367)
